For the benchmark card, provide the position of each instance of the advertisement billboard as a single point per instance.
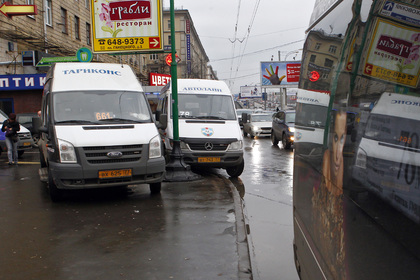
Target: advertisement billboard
(280, 73)
(393, 54)
(127, 26)
(251, 92)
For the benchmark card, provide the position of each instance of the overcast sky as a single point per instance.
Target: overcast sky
(235, 54)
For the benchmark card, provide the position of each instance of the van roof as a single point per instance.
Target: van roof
(401, 105)
(94, 76)
(201, 86)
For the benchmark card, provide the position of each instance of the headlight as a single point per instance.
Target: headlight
(183, 145)
(361, 159)
(67, 152)
(155, 149)
(292, 129)
(235, 145)
(255, 128)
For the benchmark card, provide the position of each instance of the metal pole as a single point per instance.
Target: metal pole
(174, 76)
(176, 169)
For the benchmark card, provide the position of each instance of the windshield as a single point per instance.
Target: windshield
(393, 130)
(100, 107)
(206, 106)
(311, 115)
(261, 118)
(290, 117)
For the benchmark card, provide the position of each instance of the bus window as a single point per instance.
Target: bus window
(356, 184)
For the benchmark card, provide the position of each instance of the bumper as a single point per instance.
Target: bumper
(212, 159)
(76, 176)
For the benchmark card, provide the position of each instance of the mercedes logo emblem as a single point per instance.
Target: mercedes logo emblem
(208, 146)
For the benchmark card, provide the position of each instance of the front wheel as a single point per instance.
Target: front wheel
(235, 171)
(20, 154)
(274, 139)
(155, 188)
(285, 142)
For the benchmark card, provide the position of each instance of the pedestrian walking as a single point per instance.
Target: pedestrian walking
(11, 127)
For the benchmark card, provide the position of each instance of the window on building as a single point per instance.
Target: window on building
(88, 38)
(328, 62)
(63, 20)
(48, 12)
(332, 49)
(154, 56)
(169, 40)
(169, 24)
(312, 59)
(318, 46)
(77, 27)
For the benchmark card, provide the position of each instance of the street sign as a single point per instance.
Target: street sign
(82, 55)
(28, 58)
(127, 26)
(18, 10)
(168, 59)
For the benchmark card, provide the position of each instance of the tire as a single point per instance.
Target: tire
(155, 188)
(235, 171)
(56, 194)
(286, 144)
(274, 139)
(20, 154)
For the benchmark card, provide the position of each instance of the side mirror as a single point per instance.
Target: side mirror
(36, 124)
(244, 117)
(157, 115)
(163, 121)
(43, 129)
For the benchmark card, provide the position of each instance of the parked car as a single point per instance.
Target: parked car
(239, 113)
(283, 128)
(25, 138)
(25, 119)
(257, 124)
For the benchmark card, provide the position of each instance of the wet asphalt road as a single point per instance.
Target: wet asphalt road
(192, 230)
(268, 209)
(186, 232)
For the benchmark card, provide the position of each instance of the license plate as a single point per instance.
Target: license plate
(208, 159)
(114, 173)
(26, 144)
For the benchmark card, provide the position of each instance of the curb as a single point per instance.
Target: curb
(244, 264)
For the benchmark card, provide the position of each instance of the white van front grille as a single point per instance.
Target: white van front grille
(113, 154)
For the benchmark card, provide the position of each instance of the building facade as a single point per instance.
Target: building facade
(62, 27)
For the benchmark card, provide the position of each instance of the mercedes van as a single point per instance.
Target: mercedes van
(209, 131)
(97, 129)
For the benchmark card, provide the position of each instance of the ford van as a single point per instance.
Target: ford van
(97, 129)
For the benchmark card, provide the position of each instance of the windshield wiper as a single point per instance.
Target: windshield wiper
(75, 121)
(120, 120)
(210, 117)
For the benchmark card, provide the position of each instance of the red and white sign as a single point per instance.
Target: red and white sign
(157, 79)
(129, 10)
(293, 72)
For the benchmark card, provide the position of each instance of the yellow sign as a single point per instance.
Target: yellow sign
(18, 10)
(392, 54)
(127, 26)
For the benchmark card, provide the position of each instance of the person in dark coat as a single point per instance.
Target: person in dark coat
(11, 128)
